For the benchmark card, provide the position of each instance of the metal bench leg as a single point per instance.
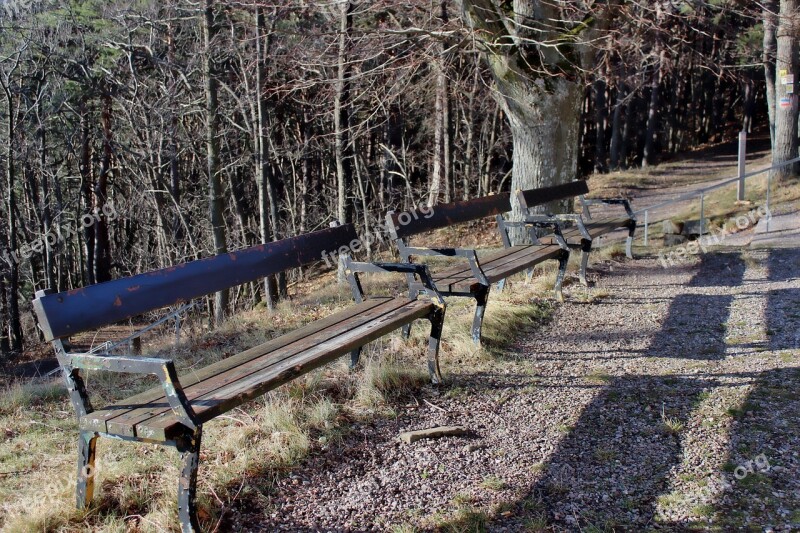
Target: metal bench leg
(584, 264)
(437, 323)
(501, 285)
(528, 275)
(407, 328)
(562, 270)
(629, 243)
(189, 448)
(481, 298)
(355, 357)
(87, 444)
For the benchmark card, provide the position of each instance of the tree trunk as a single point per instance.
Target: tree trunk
(648, 156)
(47, 217)
(344, 161)
(87, 185)
(770, 50)
(5, 339)
(305, 186)
(469, 152)
(263, 168)
(545, 129)
(601, 122)
(215, 192)
(786, 112)
(102, 254)
(12, 294)
(617, 127)
(439, 165)
(543, 108)
(443, 86)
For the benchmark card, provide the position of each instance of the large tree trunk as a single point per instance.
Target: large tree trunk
(545, 124)
(770, 49)
(543, 108)
(786, 115)
(216, 200)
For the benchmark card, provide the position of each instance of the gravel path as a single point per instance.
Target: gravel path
(668, 402)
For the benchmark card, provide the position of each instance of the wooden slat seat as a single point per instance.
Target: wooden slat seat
(226, 384)
(476, 271)
(596, 229)
(497, 266)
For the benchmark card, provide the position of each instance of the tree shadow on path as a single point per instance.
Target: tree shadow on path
(609, 471)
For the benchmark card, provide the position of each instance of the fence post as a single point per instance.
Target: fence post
(702, 214)
(769, 187)
(742, 163)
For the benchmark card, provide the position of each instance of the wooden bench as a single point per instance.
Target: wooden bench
(173, 414)
(582, 229)
(475, 274)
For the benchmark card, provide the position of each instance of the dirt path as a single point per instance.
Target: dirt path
(660, 398)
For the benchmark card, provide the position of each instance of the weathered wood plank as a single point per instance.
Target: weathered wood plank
(64, 314)
(409, 437)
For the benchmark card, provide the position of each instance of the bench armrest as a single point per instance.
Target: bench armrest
(532, 225)
(560, 220)
(163, 369)
(624, 202)
(413, 269)
(470, 255)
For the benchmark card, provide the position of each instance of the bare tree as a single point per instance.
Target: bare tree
(786, 113)
(215, 192)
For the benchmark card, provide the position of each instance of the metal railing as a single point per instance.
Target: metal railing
(701, 193)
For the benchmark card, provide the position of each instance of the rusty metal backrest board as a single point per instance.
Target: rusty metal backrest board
(533, 197)
(405, 224)
(67, 313)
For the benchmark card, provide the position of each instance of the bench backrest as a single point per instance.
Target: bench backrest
(67, 313)
(544, 195)
(407, 223)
